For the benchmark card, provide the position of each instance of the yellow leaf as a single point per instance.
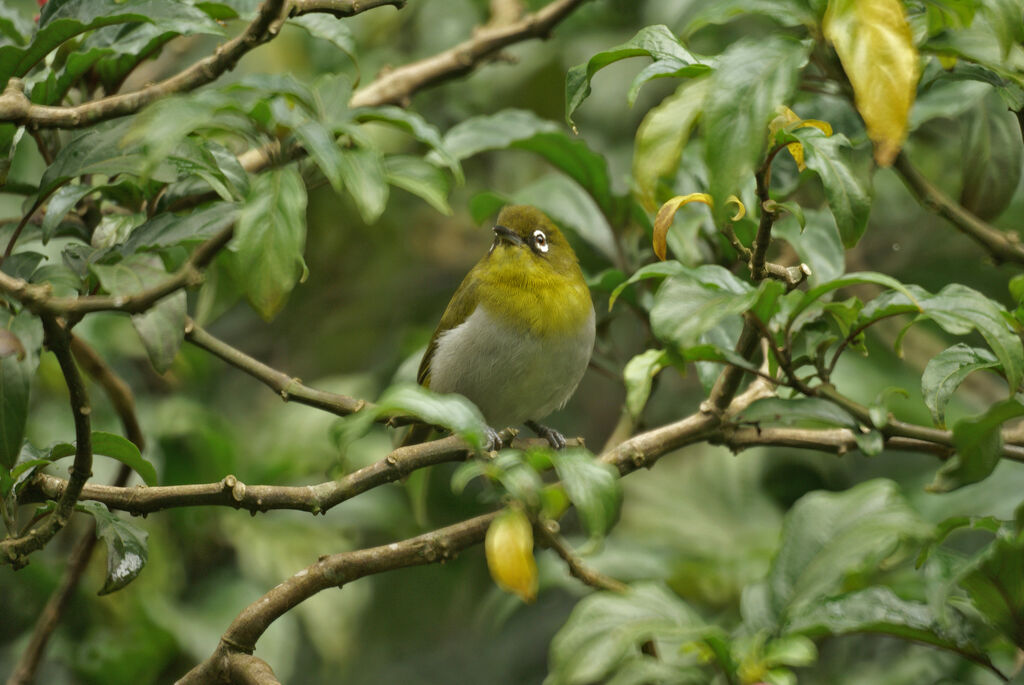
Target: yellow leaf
(509, 550)
(741, 210)
(663, 221)
(874, 43)
(788, 119)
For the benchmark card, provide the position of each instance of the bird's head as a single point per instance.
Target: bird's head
(526, 236)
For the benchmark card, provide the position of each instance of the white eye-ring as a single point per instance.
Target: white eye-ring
(540, 240)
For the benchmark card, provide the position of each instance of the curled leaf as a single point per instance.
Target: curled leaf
(875, 45)
(509, 550)
(741, 210)
(663, 221)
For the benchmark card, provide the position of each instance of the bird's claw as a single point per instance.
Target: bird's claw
(554, 438)
(492, 440)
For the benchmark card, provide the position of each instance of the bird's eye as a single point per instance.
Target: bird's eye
(540, 241)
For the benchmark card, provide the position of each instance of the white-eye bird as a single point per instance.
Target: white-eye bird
(518, 333)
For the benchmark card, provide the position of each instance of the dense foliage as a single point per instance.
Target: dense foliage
(798, 222)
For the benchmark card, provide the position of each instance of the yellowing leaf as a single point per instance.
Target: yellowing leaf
(509, 550)
(874, 43)
(788, 119)
(663, 221)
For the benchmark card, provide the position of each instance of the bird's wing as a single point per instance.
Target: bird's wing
(462, 304)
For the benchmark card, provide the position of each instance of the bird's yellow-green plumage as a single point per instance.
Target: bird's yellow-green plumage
(518, 333)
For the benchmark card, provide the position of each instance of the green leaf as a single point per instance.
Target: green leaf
(818, 245)
(785, 12)
(331, 29)
(879, 610)
(828, 536)
(797, 411)
(593, 487)
(656, 42)
(847, 193)
(638, 376)
(60, 204)
(519, 479)
(453, 412)
(324, 150)
(125, 451)
(415, 125)
(663, 134)
(61, 20)
(946, 99)
(127, 552)
(856, 278)
(946, 371)
(169, 230)
(524, 130)
(362, 173)
(269, 239)
(979, 445)
(752, 78)
(655, 270)
(99, 150)
(991, 159)
(162, 327)
(993, 582)
(421, 178)
(959, 309)
(692, 303)
(606, 629)
(16, 382)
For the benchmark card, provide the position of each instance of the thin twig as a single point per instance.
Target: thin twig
(398, 85)
(39, 299)
(333, 571)
(340, 8)
(14, 550)
(25, 670)
(16, 108)
(1004, 246)
(289, 388)
(577, 567)
(118, 392)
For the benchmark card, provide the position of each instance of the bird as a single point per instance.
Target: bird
(517, 335)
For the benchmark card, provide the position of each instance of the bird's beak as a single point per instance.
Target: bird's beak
(508, 235)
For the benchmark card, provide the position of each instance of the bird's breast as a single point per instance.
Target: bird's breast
(511, 372)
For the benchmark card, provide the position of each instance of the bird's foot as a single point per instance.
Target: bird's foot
(492, 440)
(554, 438)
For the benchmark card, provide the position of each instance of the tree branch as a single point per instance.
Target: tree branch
(332, 571)
(118, 392)
(340, 8)
(16, 108)
(49, 617)
(1003, 246)
(121, 398)
(14, 550)
(231, 492)
(289, 388)
(577, 568)
(397, 86)
(38, 298)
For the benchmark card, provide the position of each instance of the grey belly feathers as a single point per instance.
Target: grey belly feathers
(511, 376)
